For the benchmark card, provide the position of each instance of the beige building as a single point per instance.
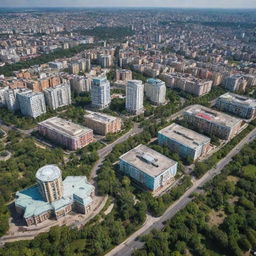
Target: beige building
(102, 124)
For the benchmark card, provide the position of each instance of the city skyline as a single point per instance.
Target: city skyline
(243, 4)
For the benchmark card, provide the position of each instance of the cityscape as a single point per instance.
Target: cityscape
(127, 129)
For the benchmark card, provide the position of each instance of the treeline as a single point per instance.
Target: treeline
(8, 69)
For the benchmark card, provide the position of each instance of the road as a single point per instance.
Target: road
(126, 248)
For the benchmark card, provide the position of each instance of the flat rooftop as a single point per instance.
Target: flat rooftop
(48, 173)
(100, 117)
(65, 127)
(148, 160)
(213, 116)
(155, 81)
(238, 99)
(184, 136)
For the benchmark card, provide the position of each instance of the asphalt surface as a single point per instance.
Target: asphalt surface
(131, 243)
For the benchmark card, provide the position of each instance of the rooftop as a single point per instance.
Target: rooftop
(213, 116)
(57, 87)
(148, 160)
(65, 127)
(100, 117)
(155, 81)
(184, 136)
(48, 173)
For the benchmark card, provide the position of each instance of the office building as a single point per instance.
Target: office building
(238, 105)
(100, 92)
(102, 124)
(185, 142)
(31, 103)
(123, 75)
(62, 132)
(58, 96)
(213, 122)
(134, 97)
(155, 90)
(148, 167)
(53, 198)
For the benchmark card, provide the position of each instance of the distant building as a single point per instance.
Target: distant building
(155, 90)
(58, 96)
(102, 124)
(74, 68)
(213, 122)
(70, 135)
(148, 167)
(123, 75)
(53, 198)
(238, 105)
(185, 142)
(134, 97)
(105, 61)
(31, 103)
(100, 92)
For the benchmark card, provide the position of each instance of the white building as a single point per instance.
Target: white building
(100, 92)
(155, 90)
(134, 97)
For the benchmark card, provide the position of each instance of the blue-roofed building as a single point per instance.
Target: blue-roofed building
(33, 204)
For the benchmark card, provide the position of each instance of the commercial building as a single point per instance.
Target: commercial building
(238, 105)
(123, 75)
(58, 96)
(53, 198)
(100, 92)
(185, 142)
(31, 103)
(213, 122)
(69, 135)
(155, 90)
(102, 124)
(134, 97)
(148, 167)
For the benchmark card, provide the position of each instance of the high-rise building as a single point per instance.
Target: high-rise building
(100, 92)
(11, 100)
(74, 68)
(105, 61)
(31, 103)
(155, 90)
(134, 97)
(235, 83)
(58, 96)
(80, 84)
(123, 74)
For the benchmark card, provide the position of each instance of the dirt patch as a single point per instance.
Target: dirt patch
(233, 199)
(216, 217)
(40, 145)
(233, 179)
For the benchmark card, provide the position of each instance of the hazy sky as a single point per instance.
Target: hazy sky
(131, 3)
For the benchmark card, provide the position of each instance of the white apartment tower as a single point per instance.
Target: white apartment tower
(155, 90)
(100, 92)
(134, 97)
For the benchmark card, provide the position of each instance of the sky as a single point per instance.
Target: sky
(131, 3)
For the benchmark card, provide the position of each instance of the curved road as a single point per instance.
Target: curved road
(131, 243)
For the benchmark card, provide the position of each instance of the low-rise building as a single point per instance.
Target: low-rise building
(148, 167)
(213, 122)
(102, 123)
(186, 142)
(69, 135)
(238, 105)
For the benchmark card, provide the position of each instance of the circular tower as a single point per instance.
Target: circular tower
(50, 180)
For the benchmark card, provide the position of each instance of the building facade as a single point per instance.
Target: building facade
(238, 105)
(102, 124)
(149, 168)
(213, 122)
(58, 96)
(100, 92)
(53, 198)
(123, 75)
(69, 135)
(155, 90)
(183, 141)
(134, 97)
(235, 83)
(80, 84)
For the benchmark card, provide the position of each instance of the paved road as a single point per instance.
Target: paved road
(126, 248)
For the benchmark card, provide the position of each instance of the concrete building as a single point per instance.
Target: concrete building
(69, 135)
(80, 84)
(213, 122)
(105, 61)
(238, 105)
(148, 167)
(31, 103)
(134, 97)
(100, 92)
(2, 93)
(123, 75)
(74, 68)
(102, 124)
(183, 141)
(53, 198)
(58, 96)
(155, 90)
(235, 83)
(11, 100)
